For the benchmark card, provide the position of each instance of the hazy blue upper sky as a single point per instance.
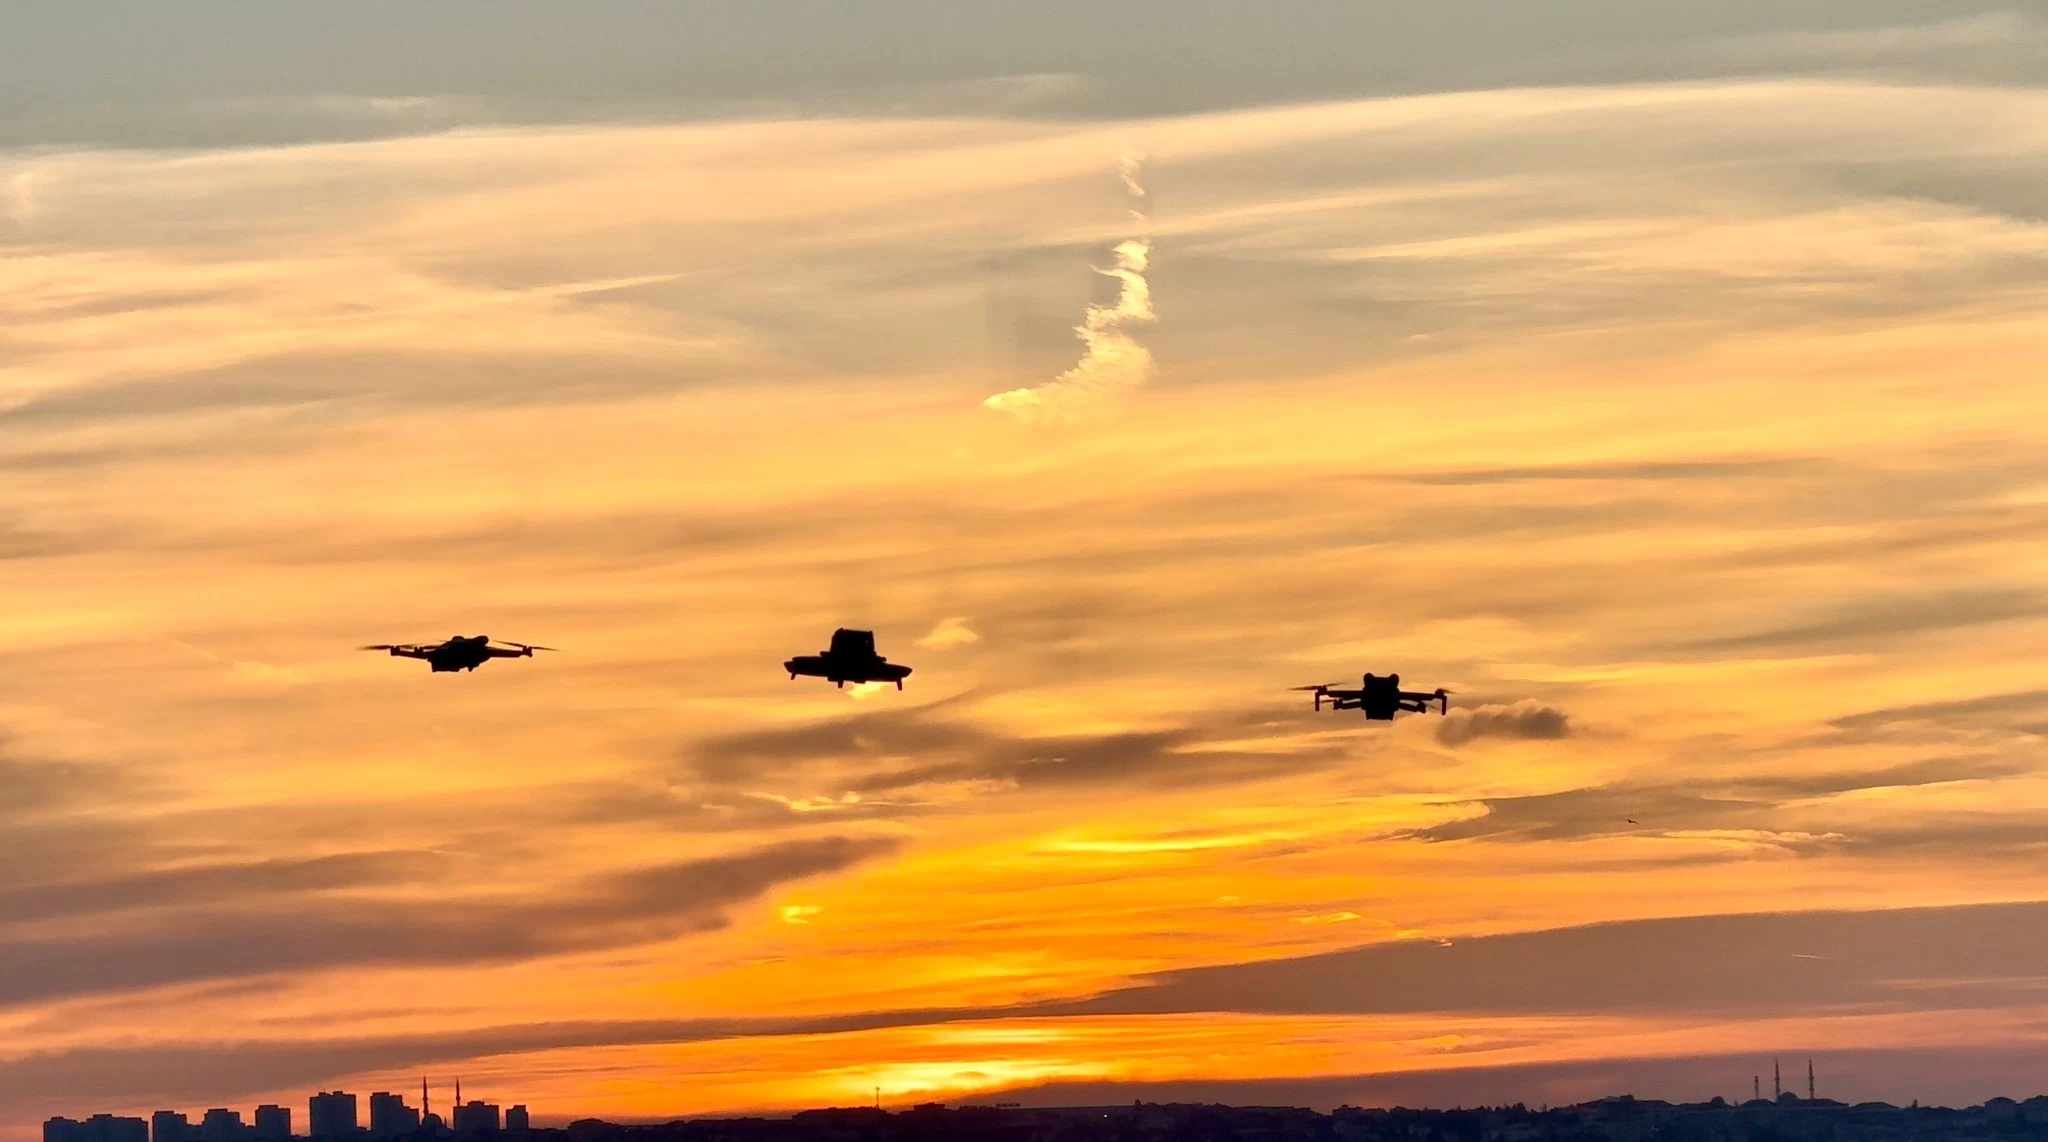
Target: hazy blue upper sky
(239, 71)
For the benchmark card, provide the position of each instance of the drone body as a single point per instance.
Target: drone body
(851, 658)
(459, 652)
(1381, 698)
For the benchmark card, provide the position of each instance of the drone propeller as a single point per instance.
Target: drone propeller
(1320, 692)
(526, 646)
(382, 646)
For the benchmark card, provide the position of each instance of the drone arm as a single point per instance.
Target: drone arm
(509, 652)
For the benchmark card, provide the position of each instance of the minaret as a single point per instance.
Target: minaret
(426, 1101)
(1756, 1087)
(1809, 1078)
(1777, 1085)
(458, 1098)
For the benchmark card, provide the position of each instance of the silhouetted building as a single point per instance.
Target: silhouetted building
(331, 1114)
(391, 1118)
(109, 1128)
(273, 1123)
(169, 1126)
(98, 1128)
(221, 1125)
(476, 1118)
(517, 1121)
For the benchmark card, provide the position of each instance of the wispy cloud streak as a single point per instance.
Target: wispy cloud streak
(1113, 361)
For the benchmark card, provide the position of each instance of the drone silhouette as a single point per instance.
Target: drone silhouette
(851, 658)
(1380, 698)
(459, 652)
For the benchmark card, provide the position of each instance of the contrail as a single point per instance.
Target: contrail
(1112, 361)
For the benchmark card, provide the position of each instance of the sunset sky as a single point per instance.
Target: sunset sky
(1664, 381)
